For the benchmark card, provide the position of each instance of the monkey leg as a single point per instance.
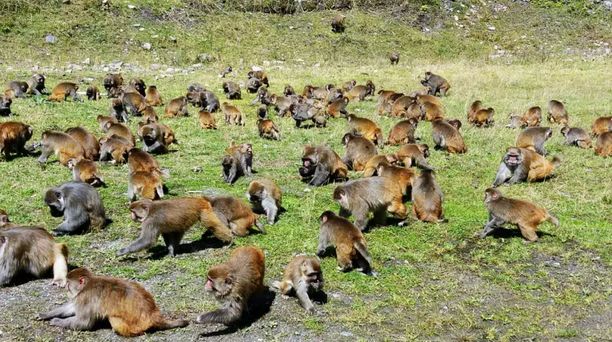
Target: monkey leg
(83, 321)
(212, 223)
(529, 232)
(75, 220)
(398, 209)
(173, 240)
(324, 243)
(63, 311)
(227, 316)
(44, 156)
(344, 257)
(124, 328)
(302, 293)
(493, 223)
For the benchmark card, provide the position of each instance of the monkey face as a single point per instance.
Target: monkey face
(6, 102)
(140, 210)
(55, 200)
(219, 283)
(491, 195)
(513, 157)
(308, 168)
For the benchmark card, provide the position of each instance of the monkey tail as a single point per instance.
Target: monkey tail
(164, 324)
(553, 219)
(361, 248)
(556, 161)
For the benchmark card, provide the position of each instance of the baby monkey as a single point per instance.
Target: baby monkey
(302, 277)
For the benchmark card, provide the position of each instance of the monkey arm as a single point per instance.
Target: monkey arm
(148, 237)
(493, 223)
(321, 175)
(232, 173)
(269, 205)
(228, 315)
(78, 322)
(44, 155)
(63, 311)
(302, 293)
(74, 219)
(503, 174)
(323, 243)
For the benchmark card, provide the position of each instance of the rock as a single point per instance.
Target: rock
(87, 80)
(491, 28)
(116, 65)
(155, 66)
(87, 61)
(50, 39)
(146, 46)
(66, 2)
(204, 58)
(172, 39)
(130, 6)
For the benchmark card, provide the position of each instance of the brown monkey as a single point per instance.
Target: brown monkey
(171, 219)
(337, 23)
(156, 137)
(394, 57)
(484, 117)
(603, 146)
(238, 161)
(403, 132)
(386, 98)
(153, 97)
(414, 155)
(90, 143)
(126, 305)
(337, 108)
(266, 198)
(360, 92)
(62, 145)
(516, 121)
(431, 111)
(227, 70)
(103, 120)
(235, 214)
(447, 137)
(253, 85)
(366, 128)
(118, 111)
(207, 120)
(436, 83)
(576, 136)
(347, 239)
(139, 85)
(371, 167)
(421, 99)
(233, 115)
(267, 129)
(114, 148)
(111, 128)
(232, 90)
(282, 104)
(235, 282)
(112, 84)
(64, 89)
(533, 138)
(358, 151)
(13, 137)
(521, 164)
(374, 194)
(602, 125)
(260, 75)
(532, 117)
(302, 276)
(474, 108)
(36, 85)
(321, 165)
(407, 107)
(455, 123)
(176, 107)
(5, 105)
(4, 220)
(92, 93)
(19, 88)
(141, 161)
(31, 250)
(85, 170)
(134, 103)
(143, 184)
(348, 85)
(288, 90)
(402, 176)
(526, 215)
(427, 198)
(149, 115)
(557, 113)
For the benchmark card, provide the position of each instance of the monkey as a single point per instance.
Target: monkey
(301, 112)
(321, 165)
(92, 93)
(521, 164)
(347, 239)
(139, 85)
(134, 102)
(447, 137)
(371, 167)
(176, 107)
(532, 117)
(233, 115)
(226, 71)
(5, 105)
(207, 120)
(126, 305)
(156, 137)
(62, 145)
(358, 151)
(262, 95)
(516, 121)
(427, 198)
(601, 125)
(360, 92)
(576, 136)
(234, 283)
(85, 170)
(526, 215)
(88, 141)
(318, 93)
(403, 132)
(19, 88)
(4, 220)
(394, 57)
(80, 205)
(267, 129)
(436, 83)
(378, 195)
(348, 85)
(402, 176)
(266, 197)
(413, 155)
(474, 108)
(204, 99)
(386, 98)
(118, 111)
(557, 113)
(141, 161)
(288, 91)
(153, 97)
(431, 111)
(143, 184)
(112, 84)
(172, 218)
(253, 85)
(302, 276)
(455, 123)
(114, 148)
(238, 161)
(337, 23)
(603, 146)
(33, 251)
(282, 104)
(235, 214)
(103, 120)
(13, 137)
(404, 106)
(36, 85)
(121, 130)
(149, 115)
(64, 89)
(232, 90)
(335, 94)
(337, 108)
(533, 138)
(259, 74)
(366, 128)
(484, 117)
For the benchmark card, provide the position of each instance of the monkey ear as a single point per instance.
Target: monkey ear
(57, 194)
(81, 280)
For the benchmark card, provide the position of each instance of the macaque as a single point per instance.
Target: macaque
(139, 85)
(238, 161)
(358, 151)
(576, 136)
(321, 165)
(436, 83)
(403, 106)
(149, 115)
(533, 138)
(233, 115)
(226, 71)
(259, 74)
(92, 93)
(532, 117)
(88, 141)
(234, 283)
(414, 155)
(126, 305)
(267, 129)
(134, 102)
(521, 164)
(377, 195)
(371, 167)
(602, 125)
(62, 145)
(526, 215)
(207, 120)
(366, 128)
(235, 214)
(5, 105)
(431, 111)
(484, 117)
(348, 85)
(557, 113)
(114, 148)
(117, 111)
(103, 120)
(253, 85)
(394, 57)
(603, 146)
(112, 84)
(402, 176)
(19, 88)
(143, 184)
(337, 23)
(516, 121)
(156, 137)
(266, 198)
(360, 92)
(202, 98)
(36, 85)
(302, 111)
(337, 108)
(176, 107)
(4, 220)
(80, 205)
(141, 161)
(282, 104)
(13, 137)
(302, 277)
(385, 101)
(153, 97)
(427, 198)
(85, 170)
(347, 239)
(33, 251)
(447, 137)
(121, 130)
(232, 90)
(288, 90)
(403, 132)
(64, 89)
(474, 108)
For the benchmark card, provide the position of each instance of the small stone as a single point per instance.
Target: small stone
(130, 6)
(197, 169)
(307, 190)
(155, 66)
(172, 39)
(491, 28)
(87, 61)
(146, 46)
(136, 25)
(346, 333)
(50, 39)
(204, 58)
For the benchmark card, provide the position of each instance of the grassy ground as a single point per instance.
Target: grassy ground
(436, 281)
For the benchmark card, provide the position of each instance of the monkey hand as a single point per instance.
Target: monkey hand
(43, 317)
(59, 282)
(122, 252)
